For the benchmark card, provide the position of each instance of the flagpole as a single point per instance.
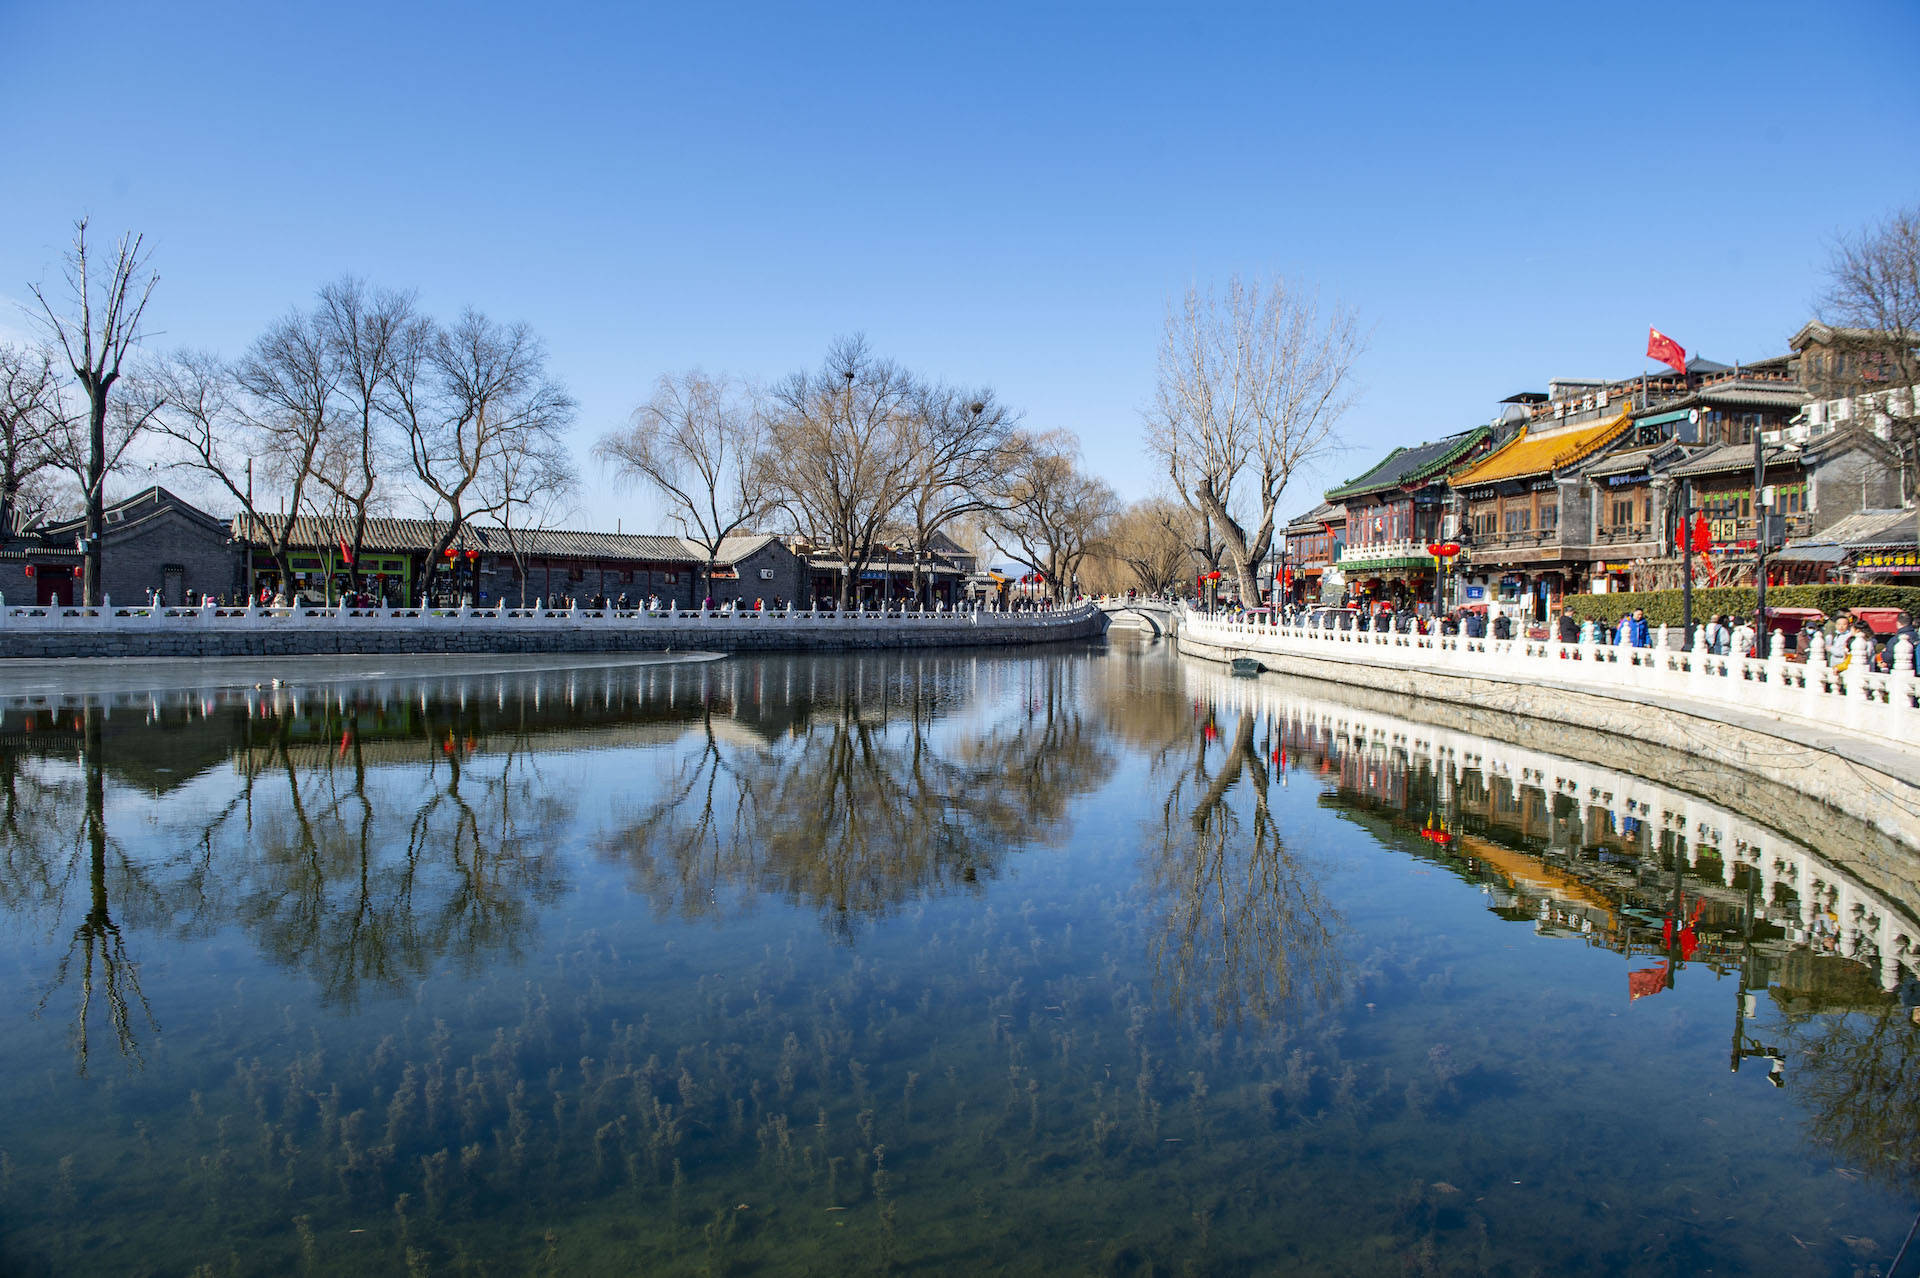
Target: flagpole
(1686, 562)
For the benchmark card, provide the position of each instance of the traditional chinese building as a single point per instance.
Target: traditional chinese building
(1315, 543)
(493, 565)
(1526, 516)
(1395, 510)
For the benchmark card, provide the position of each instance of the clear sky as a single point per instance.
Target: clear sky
(992, 193)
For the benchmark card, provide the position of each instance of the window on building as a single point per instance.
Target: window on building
(1519, 519)
(1549, 512)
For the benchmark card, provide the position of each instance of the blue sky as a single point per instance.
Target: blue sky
(992, 193)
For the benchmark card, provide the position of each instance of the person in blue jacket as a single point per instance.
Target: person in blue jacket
(1633, 631)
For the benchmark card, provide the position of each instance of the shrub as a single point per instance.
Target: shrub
(1663, 606)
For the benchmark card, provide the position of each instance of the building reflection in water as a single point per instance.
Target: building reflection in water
(363, 833)
(1826, 995)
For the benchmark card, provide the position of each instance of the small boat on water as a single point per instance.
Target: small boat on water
(1247, 666)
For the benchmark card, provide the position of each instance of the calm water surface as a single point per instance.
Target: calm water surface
(1082, 960)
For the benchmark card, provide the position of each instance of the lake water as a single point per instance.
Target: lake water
(1085, 960)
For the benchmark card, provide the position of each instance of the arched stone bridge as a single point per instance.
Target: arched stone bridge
(1156, 616)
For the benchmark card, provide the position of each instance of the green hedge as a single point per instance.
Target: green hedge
(1663, 606)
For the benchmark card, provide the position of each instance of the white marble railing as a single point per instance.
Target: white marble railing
(1871, 926)
(1842, 692)
(213, 618)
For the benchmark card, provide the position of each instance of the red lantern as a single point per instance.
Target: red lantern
(30, 570)
(452, 553)
(473, 554)
(1443, 549)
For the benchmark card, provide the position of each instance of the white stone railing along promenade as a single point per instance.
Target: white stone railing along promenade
(110, 618)
(1838, 690)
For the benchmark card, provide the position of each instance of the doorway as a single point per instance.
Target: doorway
(53, 586)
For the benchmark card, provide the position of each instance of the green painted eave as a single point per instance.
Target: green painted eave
(1385, 476)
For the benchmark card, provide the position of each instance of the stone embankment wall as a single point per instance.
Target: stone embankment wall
(323, 634)
(1708, 749)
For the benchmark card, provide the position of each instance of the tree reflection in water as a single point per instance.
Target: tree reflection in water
(867, 801)
(361, 862)
(1857, 1073)
(1247, 931)
(96, 960)
(363, 879)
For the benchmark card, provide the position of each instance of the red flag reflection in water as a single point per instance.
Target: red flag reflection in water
(1646, 981)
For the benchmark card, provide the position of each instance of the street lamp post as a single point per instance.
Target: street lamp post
(1441, 552)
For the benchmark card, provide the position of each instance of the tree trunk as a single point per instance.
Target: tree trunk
(96, 496)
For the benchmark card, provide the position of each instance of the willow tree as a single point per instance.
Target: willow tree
(1053, 514)
(698, 443)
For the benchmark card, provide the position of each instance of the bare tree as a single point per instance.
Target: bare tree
(1874, 287)
(205, 433)
(838, 449)
(465, 396)
(528, 489)
(363, 329)
(961, 445)
(33, 417)
(1251, 387)
(95, 331)
(287, 408)
(1055, 514)
(701, 446)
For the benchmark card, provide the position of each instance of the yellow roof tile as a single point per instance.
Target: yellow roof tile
(1530, 454)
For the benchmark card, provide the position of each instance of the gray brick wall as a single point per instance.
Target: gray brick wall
(136, 559)
(774, 557)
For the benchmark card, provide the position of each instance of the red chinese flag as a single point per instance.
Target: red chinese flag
(1702, 534)
(1666, 350)
(345, 552)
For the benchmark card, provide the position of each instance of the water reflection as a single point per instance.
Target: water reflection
(1066, 961)
(49, 863)
(866, 801)
(1246, 930)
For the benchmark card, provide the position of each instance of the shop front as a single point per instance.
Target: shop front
(1611, 576)
(326, 576)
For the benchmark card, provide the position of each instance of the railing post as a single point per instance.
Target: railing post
(1859, 673)
(1779, 683)
(1900, 691)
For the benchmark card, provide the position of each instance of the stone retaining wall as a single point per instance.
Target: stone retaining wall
(1688, 748)
(733, 634)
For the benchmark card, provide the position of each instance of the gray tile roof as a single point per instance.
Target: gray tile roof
(1410, 465)
(385, 534)
(1622, 462)
(1868, 528)
(1719, 459)
(1325, 513)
